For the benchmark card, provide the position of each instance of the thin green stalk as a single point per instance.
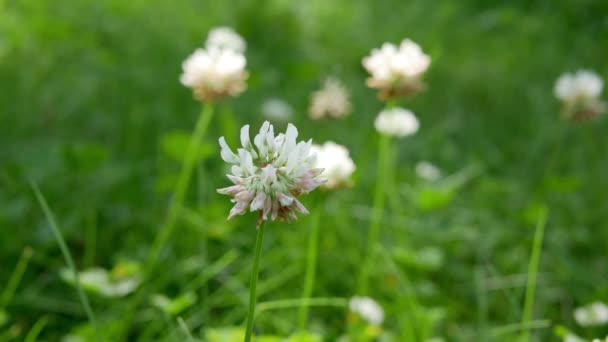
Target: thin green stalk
(177, 202)
(532, 275)
(311, 268)
(15, 279)
(68, 258)
(254, 281)
(377, 213)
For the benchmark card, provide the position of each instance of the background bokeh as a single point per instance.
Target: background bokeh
(92, 110)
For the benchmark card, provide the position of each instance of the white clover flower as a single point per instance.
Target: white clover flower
(368, 309)
(580, 93)
(334, 159)
(332, 100)
(214, 73)
(225, 38)
(276, 110)
(270, 173)
(396, 70)
(592, 314)
(428, 171)
(397, 121)
(600, 340)
(583, 84)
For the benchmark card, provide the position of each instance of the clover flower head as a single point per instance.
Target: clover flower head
(593, 314)
(600, 340)
(270, 173)
(368, 309)
(332, 101)
(214, 73)
(580, 94)
(397, 122)
(276, 109)
(336, 162)
(396, 70)
(225, 38)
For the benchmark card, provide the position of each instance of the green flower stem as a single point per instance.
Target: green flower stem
(311, 268)
(537, 247)
(177, 203)
(254, 281)
(68, 259)
(377, 213)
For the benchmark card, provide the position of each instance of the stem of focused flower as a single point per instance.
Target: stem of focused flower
(311, 268)
(377, 213)
(254, 281)
(537, 247)
(176, 204)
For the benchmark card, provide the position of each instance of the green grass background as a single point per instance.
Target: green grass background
(92, 110)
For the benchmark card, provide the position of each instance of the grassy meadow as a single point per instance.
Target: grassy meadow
(94, 116)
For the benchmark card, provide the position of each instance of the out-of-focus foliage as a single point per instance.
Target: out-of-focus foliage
(92, 110)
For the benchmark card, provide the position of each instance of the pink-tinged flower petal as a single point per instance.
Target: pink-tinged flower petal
(267, 206)
(244, 196)
(284, 199)
(275, 210)
(238, 209)
(258, 201)
(231, 190)
(300, 207)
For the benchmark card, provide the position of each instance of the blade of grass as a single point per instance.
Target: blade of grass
(537, 247)
(184, 327)
(68, 258)
(32, 335)
(15, 279)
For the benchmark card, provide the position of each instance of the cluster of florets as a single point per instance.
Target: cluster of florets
(218, 70)
(396, 70)
(270, 173)
(580, 94)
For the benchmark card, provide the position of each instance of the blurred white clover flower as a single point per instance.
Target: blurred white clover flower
(580, 93)
(276, 109)
(396, 70)
(428, 171)
(397, 121)
(332, 101)
(270, 173)
(336, 162)
(368, 309)
(214, 73)
(225, 38)
(593, 314)
(600, 340)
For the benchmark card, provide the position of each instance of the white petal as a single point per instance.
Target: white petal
(227, 155)
(258, 201)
